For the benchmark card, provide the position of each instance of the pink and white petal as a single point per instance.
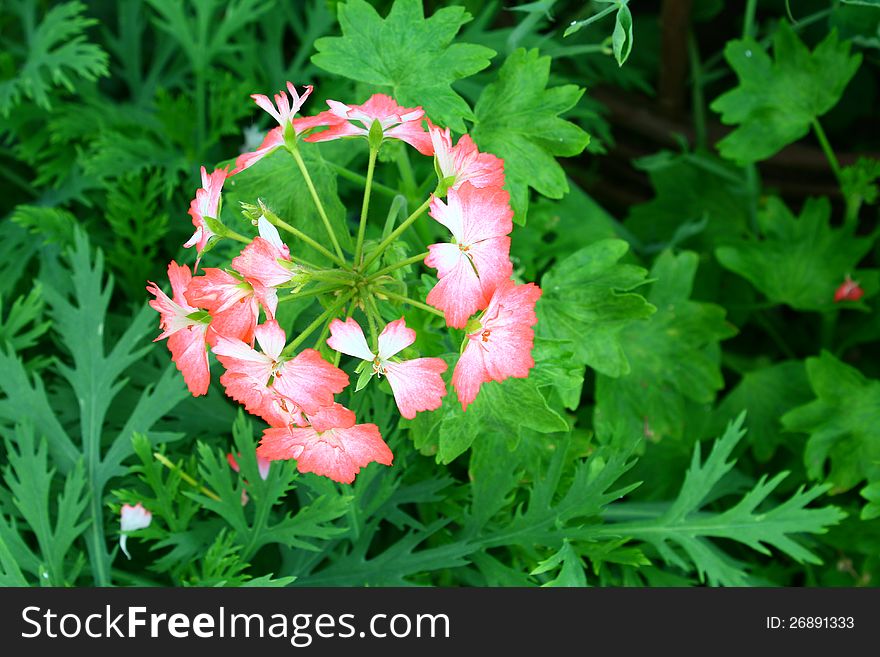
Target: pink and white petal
(267, 297)
(273, 139)
(259, 261)
(215, 291)
(458, 294)
(469, 374)
(335, 416)
(364, 445)
(491, 257)
(190, 354)
(348, 338)
(309, 381)
(417, 385)
(486, 213)
(180, 277)
(248, 391)
(413, 134)
(448, 215)
(236, 322)
(269, 233)
(394, 338)
(271, 338)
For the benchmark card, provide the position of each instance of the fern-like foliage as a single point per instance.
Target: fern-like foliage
(56, 53)
(78, 295)
(682, 532)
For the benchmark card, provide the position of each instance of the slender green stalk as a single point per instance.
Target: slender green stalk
(749, 19)
(412, 302)
(406, 173)
(180, 473)
(826, 148)
(395, 233)
(698, 100)
(398, 265)
(275, 220)
(319, 320)
(372, 314)
(304, 294)
(365, 207)
(320, 206)
(354, 177)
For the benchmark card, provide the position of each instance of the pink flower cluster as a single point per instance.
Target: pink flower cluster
(295, 393)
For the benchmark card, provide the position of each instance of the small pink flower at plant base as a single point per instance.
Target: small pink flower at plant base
(305, 383)
(263, 465)
(232, 303)
(403, 123)
(417, 384)
(285, 110)
(478, 259)
(132, 518)
(500, 342)
(464, 162)
(187, 337)
(336, 447)
(205, 204)
(274, 139)
(849, 290)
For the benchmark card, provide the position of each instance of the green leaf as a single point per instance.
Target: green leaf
(588, 301)
(842, 422)
(57, 54)
(690, 189)
(767, 393)
(405, 53)
(23, 325)
(799, 261)
(30, 479)
(571, 568)
(622, 37)
(858, 181)
(277, 180)
(777, 100)
(518, 120)
(674, 358)
(682, 532)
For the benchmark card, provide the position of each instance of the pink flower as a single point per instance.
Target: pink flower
(397, 122)
(263, 465)
(285, 110)
(231, 301)
(186, 336)
(335, 448)
(205, 204)
(500, 342)
(478, 258)
(132, 518)
(464, 162)
(416, 384)
(304, 384)
(263, 265)
(274, 138)
(849, 290)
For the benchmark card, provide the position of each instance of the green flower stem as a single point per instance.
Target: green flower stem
(180, 473)
(373, 317)
(412, 302)
(406, 223)
(275, 220)
(826, 148)
(698, 101)
(402, 263)
(749, 19)
(348, 174)
(320, 206)
(289, 349)
(365, 206)
(305, 294)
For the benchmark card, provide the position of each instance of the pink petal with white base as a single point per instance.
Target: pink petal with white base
(205, 204)
(263, 465)
(258, 261)
(348, 338)
(309, 381)
(501, 347)
(283, 110)
(417, 385)
(335, 453)
(465, 162)
(394, 338)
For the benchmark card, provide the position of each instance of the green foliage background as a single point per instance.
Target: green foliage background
(701, 411)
